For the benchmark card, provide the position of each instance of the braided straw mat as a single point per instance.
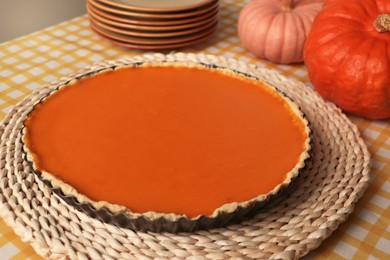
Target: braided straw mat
(287, 228)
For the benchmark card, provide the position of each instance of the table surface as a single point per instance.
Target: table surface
(36, 59)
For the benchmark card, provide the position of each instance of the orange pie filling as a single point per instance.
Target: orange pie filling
(167, 139)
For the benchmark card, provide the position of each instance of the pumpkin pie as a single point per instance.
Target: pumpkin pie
(167, 146)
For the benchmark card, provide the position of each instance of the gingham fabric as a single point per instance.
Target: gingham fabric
(31, 61)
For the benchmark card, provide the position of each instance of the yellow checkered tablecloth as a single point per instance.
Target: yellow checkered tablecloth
(31, 61)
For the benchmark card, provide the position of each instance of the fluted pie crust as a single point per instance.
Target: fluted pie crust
(226, 209)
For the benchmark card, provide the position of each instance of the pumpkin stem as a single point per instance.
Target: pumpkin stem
(382, 23)
(288, 5)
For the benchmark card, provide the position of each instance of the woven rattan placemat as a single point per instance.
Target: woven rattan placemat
(287, 228)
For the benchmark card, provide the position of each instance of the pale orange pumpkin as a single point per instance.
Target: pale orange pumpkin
(277, 29)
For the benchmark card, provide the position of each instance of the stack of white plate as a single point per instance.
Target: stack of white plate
(153, 24)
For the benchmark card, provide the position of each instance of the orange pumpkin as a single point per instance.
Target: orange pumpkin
(347, 55)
